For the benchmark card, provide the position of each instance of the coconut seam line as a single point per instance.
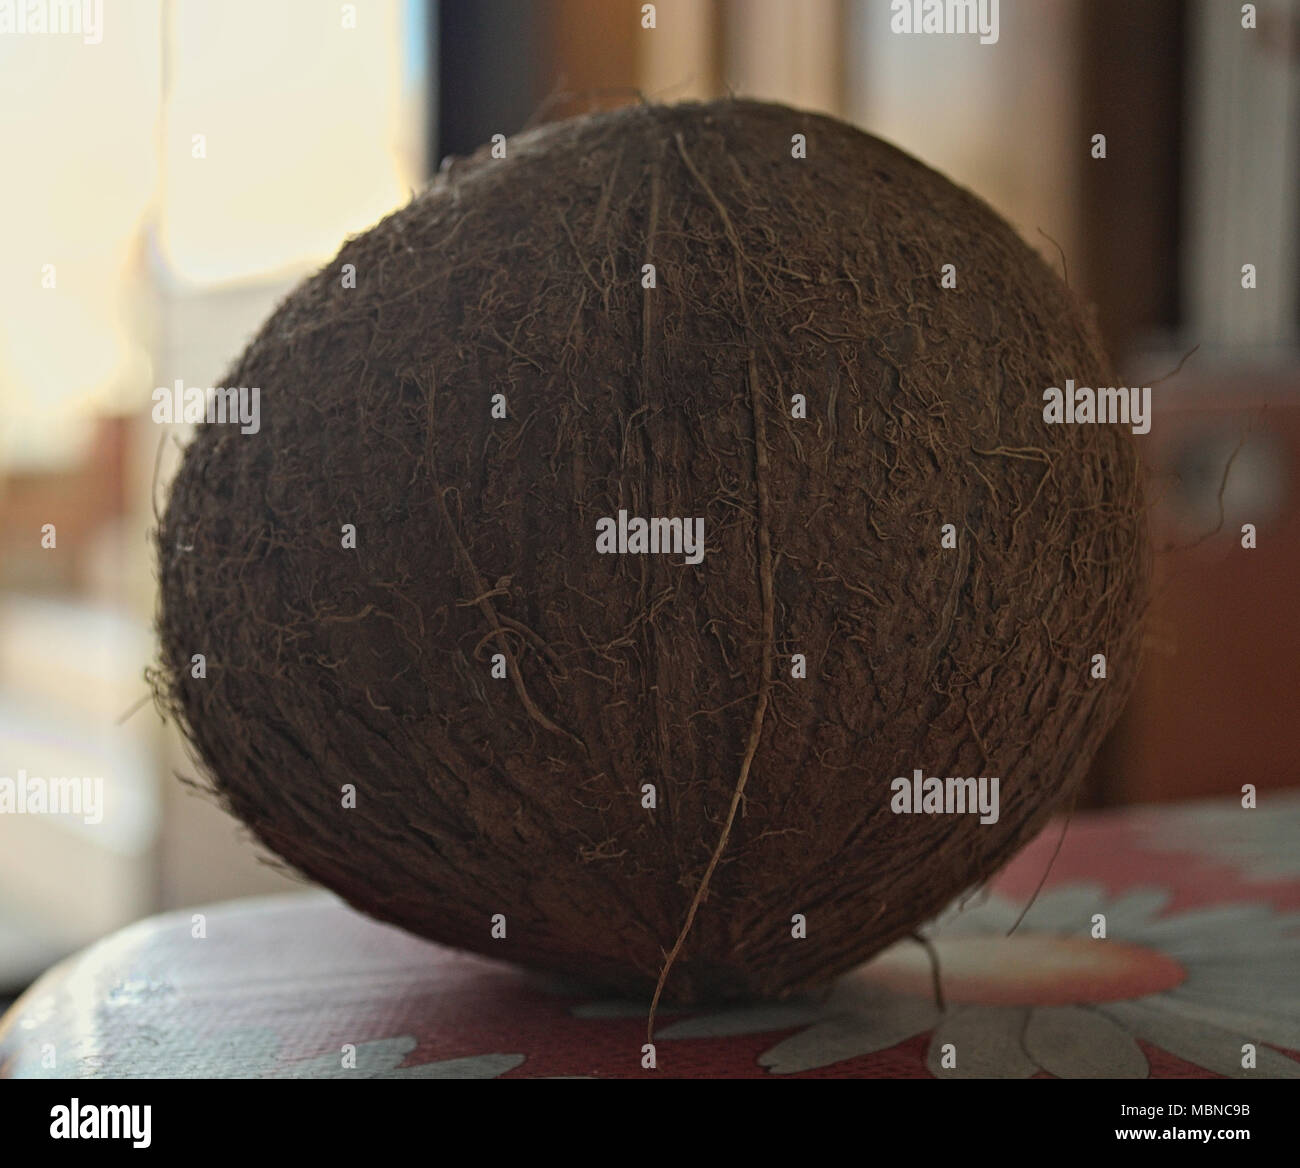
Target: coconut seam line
(610, 752)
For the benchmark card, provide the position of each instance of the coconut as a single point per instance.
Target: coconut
(632, 517)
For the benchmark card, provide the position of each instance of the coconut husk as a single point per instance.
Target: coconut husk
(330, 668)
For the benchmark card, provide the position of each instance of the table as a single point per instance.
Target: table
(1195, 977)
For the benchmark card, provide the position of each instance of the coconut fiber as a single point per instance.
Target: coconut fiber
(473, 714)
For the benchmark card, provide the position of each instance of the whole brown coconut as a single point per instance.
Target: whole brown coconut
(638, 679)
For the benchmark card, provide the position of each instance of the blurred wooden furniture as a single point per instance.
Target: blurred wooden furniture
(1216, 699)
(79, 501)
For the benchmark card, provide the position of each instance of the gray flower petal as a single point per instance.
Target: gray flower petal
(1127, 915)
(1203, 932)
(1165, 1025)
(1067, 909)
(1252, 981)
(479, 1066)
(850, 1036)
(745, 1020)
(382, 1059)
(1072, 1042)
(987, 1041)
(982, 916)
(1268, 1020)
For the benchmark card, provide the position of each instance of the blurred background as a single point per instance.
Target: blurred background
(165, 183)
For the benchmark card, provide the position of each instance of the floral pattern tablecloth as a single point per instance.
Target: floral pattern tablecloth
(1196, 976)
